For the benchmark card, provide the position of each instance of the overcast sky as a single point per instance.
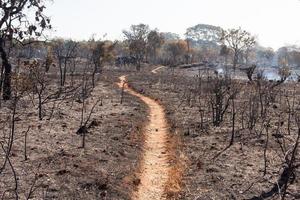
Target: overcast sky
(274, 22)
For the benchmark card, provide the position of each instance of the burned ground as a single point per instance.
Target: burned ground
(57, 168)
(238, 172)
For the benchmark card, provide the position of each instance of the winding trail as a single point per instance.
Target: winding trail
(154, 71)
(154, 164)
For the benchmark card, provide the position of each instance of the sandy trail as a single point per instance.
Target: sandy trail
(154, 71)
(154, 169)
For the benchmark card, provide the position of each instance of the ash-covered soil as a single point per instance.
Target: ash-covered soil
(237, 173)
(57, 168)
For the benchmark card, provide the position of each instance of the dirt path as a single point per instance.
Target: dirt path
(154, 168)
(154, 71)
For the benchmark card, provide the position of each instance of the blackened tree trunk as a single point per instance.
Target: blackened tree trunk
(65, 72)
(7, 72)
(138, 67)
(40, 106)
(233, 123)
(1, 81)
(94, 75)
(61, 72)
(97, 69)
(235, 60)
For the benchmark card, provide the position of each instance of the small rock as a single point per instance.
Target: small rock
(115, 138)
(62, 172)
(136, 181)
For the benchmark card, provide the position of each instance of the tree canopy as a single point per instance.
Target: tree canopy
(238, 41)
(204, 33)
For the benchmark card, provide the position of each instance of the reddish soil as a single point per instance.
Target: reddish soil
(154, 171)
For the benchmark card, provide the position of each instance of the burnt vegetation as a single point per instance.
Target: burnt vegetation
(67, 131)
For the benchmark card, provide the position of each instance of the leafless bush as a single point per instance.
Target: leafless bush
(221, 92)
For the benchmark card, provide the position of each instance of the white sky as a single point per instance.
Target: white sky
(274, 22)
